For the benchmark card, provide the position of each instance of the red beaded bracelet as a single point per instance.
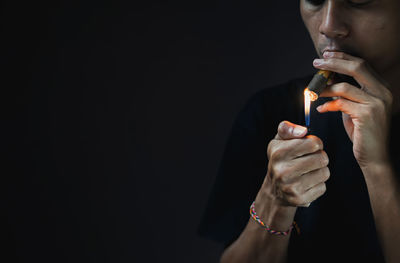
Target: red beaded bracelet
(270, 230)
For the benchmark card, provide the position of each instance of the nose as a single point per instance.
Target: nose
(333, 24)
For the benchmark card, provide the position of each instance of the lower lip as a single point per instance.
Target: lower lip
(330, 51)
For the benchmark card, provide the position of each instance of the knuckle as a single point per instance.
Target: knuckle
(388, 96)
(339, 103)
(365, 112)
(279, 172)
(270, 148)
(277, 153)
(380, 104)
(300, 200)
(323, 158)
(289, 189)
(294, 190)
(275, 173)
(322, 189)
(378, 109)
(290, 200)
(342, 87)
(326, 174)
(296, 200)
(316, 143)
(284, 127)
(360, 66)
(319, 191)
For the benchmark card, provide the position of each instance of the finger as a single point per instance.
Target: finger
(279, 150)
(288, 130)
(311, 144)
(313, 178)
(358, 60)
(358, 69)
(344, 105)
(309, 196)
(347, 91)
(308, 163)
(290, 172)
(299, 185)
(314, 193)
(345, 56)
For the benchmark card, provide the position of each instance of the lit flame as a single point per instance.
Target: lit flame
(307, 101)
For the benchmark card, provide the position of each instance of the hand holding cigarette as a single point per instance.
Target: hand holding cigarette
(365, 112)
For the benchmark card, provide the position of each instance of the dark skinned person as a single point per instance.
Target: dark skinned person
(332, 195)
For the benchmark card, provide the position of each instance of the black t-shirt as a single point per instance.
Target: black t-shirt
(338, 226)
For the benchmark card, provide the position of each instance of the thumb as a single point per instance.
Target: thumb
(288, 130)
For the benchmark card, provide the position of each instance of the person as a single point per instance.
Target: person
(339, 184)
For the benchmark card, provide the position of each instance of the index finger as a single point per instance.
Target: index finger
(347, 91)
(352, 66)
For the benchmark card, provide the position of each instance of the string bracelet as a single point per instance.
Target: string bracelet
(270, 230)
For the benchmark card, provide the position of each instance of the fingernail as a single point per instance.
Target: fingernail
(299, 130)
(318, 62)
(319, 108)
(328, 54)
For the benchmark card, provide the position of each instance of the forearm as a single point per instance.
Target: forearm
(384, 192)
(255, 244)
(288, 184)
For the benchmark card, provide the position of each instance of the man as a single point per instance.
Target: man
(352, 216)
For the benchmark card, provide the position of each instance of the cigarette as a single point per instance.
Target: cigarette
(318, 83)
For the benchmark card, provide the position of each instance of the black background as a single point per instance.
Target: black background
(116, 114)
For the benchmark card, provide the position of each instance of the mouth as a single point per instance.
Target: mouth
(346, 50)
(331, 50)
(337, 77)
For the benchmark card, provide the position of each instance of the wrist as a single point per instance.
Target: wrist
(377, 168)
(378, 174)
(273, 212)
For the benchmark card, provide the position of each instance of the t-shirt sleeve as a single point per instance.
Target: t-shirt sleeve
(240, 176)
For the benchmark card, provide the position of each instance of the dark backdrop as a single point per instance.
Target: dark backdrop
(115, 115)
